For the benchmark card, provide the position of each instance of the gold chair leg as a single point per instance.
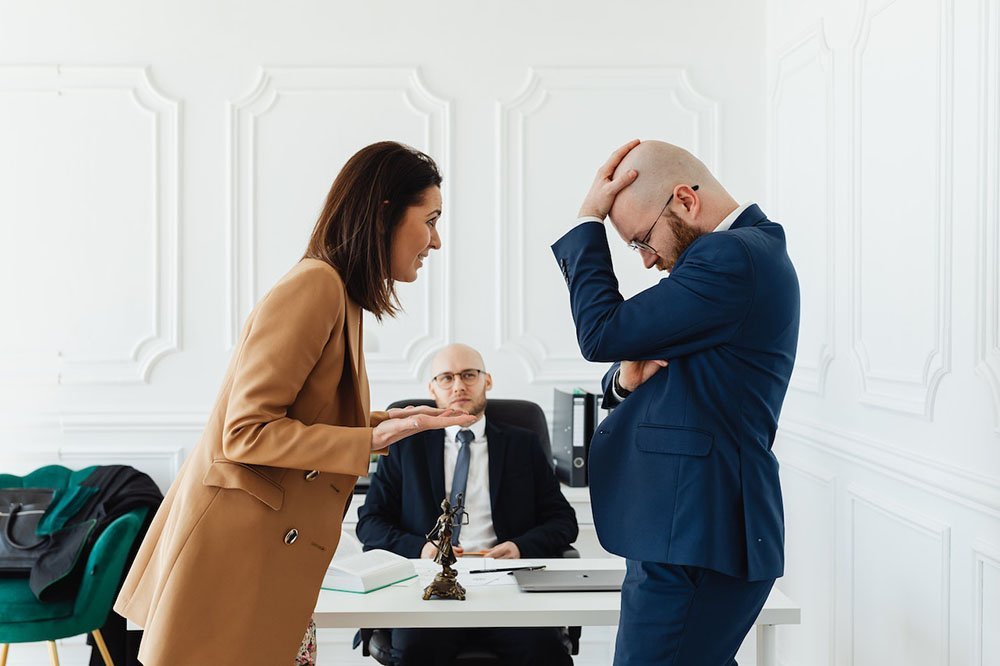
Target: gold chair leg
(53, 655)
(99, 639)
(3, 654)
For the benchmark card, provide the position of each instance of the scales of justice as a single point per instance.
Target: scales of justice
(445, 584)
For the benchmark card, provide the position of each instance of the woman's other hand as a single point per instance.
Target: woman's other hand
(411, 420)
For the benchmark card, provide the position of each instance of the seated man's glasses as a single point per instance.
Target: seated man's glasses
(469, 377)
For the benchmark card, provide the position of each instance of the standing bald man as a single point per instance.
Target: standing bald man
(682, 478)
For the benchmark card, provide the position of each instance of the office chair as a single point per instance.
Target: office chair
(377, 643)
(25, 619)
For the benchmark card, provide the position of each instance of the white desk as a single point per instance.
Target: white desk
(505, 606)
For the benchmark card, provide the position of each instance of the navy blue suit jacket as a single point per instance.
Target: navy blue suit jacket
(682, 472)
(404, 500)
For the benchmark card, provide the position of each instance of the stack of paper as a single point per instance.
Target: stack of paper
(364, 572)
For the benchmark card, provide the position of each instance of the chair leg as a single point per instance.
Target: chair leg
(3, 654)
(53, 655)
(102, 646)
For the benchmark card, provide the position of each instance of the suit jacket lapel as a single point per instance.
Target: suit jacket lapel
(496, 446)
(434, 441)
(353, 324)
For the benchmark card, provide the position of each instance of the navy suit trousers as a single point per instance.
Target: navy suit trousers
(676, 615)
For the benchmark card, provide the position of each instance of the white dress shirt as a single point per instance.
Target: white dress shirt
(479, 533)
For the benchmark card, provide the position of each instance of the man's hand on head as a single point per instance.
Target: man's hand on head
(606, 186)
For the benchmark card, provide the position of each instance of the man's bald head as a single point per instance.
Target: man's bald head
(661, 167)
(671, 183)
(456, 357)
(469, 394)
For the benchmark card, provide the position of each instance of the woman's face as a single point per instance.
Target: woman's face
(415, 236)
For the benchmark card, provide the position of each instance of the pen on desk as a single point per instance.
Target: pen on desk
(535, 568)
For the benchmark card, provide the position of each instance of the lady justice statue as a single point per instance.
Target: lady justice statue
(445, 584)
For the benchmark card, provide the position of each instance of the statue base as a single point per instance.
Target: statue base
(445, 586)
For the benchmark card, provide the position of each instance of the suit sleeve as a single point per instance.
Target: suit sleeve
(379, 518)
(293, 326)
(700, 305)
(556, 526)
(610, 399)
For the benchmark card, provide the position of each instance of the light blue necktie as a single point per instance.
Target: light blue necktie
(461, 477)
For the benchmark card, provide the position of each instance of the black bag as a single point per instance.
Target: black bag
(21, 509)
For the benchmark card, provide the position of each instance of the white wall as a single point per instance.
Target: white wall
(161, 165)
(883, 146)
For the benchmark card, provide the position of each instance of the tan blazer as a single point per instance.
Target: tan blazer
(231, 567)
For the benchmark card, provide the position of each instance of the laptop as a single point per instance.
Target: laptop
(588, 580)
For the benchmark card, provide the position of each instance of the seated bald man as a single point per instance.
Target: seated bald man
(515, 508)
(683, 481)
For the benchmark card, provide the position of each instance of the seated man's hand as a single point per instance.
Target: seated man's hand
(507, 550)
(430, 551)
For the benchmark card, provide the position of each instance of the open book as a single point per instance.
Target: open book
(364, 572)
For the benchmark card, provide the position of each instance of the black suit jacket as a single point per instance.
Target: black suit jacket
(404, 499)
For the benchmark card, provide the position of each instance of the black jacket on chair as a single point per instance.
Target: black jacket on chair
(404, 499)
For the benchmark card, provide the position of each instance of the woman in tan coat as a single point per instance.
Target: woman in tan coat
(230, 569)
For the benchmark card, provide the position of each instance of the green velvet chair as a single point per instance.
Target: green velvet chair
(23, 618)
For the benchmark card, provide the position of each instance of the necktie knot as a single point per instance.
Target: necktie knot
(465, 436)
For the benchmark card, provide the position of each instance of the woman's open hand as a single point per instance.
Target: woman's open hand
(410, 420)
(400, 412)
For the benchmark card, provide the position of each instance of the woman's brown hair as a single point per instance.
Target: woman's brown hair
(366, 202)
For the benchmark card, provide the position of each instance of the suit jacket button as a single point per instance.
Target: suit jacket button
(291, 536)
(312, 475)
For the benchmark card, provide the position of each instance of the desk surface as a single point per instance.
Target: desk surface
(401, 605)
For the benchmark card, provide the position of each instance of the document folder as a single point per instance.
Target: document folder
(575, 416)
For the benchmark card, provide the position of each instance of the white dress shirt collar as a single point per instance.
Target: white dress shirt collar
(478, 429)
(732, 217)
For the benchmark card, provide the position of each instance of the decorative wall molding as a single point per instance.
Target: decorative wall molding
(79, 456)
(513, 117)
(917, 523)
(133, 422)
(972, 490)
(988, 288)
(245, 113)
(908, 394)
(984, 556)
(827, 484)
(134, 365)
(811, 50)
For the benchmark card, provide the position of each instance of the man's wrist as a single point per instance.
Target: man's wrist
(585, 216)
(616, 386)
